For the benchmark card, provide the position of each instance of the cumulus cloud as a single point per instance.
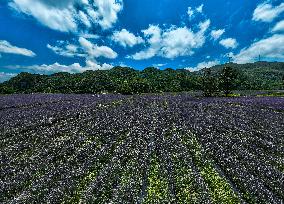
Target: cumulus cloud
(6, 47)
(153, 35)
(216, 34)
(6, 76)
(202, 65)
(182, 41)
(279, 27)
(92, 65)
(73, 68)
(96, 51)
(66, 15)
(125, 38)
(172, 42)
(267, 48)
(266, 12)
(85, 49)
(54, 16)
(107, 12)
(229, 43)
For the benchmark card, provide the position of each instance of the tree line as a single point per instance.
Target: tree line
(212, 81)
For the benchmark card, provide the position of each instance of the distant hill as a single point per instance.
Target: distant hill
(258, 75)
(255, 68)
(125, 80)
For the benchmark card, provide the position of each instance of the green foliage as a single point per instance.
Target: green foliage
(227, 79)
(125, 80)
(209, 83)
(277, 94)
(157, 191)
(219, 189)
(283, 81)
(6, 89)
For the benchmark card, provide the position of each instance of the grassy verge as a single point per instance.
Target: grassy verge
(157, 191)
(219, 188)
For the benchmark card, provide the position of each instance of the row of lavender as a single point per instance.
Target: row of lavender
(20, 112)
(144, 149)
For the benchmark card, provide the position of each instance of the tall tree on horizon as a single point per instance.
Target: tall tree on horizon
(227, 79)
(209, 85)
(283, 82)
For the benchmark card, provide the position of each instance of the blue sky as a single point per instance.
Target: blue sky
(47, 36)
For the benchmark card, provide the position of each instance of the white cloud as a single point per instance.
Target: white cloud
(85, 19)
(122, 64)
(6, 47)
(85, 49)
(6, 76)
(266, 12)
(153, 35)
(216, 34)
(267, 48)
(202, 65)
(91, 65)
(107, 11)
(178, 42)
(73, 68)
(66, 15)
(90, 36)
(182, 41)
(191, 12)
(200, 8)
(125, 38)
(57, 17)
(56, 67)
(96, 51)
(278, 27)
(207, 64)
(144, 54)
(229, 43)
(68, 50)
(159, 65)
(173, 42)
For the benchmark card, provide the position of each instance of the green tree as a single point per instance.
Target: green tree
(209, 84)
(139, 85)
(125, 88)
(227, 80)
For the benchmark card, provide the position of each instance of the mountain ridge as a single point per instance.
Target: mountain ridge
(251, 76)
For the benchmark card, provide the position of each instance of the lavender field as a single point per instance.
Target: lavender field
(141, 149)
